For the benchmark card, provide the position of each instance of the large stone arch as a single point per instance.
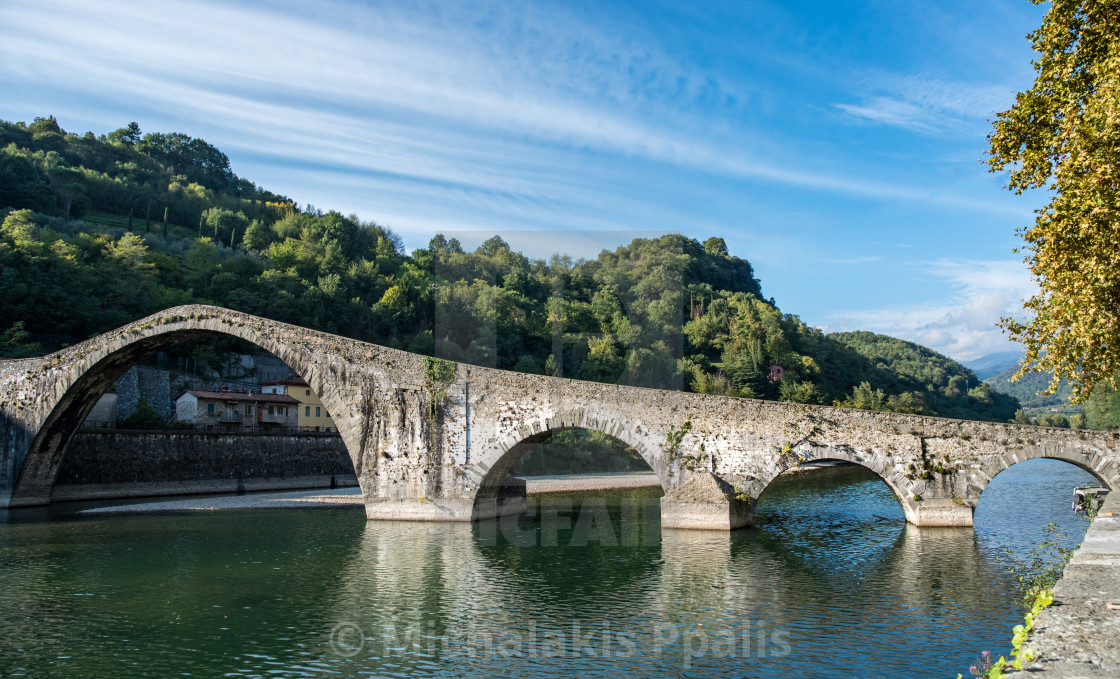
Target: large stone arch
(1101, 467)
(897, 482)
(493, 468)
(68, 384)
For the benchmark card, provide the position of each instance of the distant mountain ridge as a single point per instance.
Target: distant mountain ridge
(993, 364)
(1028, 387)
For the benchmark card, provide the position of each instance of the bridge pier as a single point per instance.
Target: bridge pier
(939, 512)
(706, 502)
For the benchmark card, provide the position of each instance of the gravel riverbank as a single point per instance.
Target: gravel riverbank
(336, 497)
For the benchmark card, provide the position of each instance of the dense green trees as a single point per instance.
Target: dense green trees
(1028, 389)
(44, 168)
(667, 312)
(1102, 408)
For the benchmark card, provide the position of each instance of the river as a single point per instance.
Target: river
(831, 582)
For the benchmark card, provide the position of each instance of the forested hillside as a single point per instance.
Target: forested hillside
(919, 374)
(1028, 387)
(165, 221)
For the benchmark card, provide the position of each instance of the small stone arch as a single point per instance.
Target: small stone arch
(90, 368)
(897, 483)
(493, 469)
(1103, 469)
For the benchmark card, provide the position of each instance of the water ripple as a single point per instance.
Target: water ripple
(831, 583)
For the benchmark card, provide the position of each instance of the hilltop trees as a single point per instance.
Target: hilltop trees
(668, 312)
(45, 168)
(1064, 135)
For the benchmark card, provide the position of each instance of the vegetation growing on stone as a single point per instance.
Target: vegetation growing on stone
(439, 370)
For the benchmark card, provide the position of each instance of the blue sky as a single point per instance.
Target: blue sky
(836, 145)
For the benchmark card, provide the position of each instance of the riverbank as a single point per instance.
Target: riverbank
(335, 497)
(1079, 634)
(293, 499)
(577, 483)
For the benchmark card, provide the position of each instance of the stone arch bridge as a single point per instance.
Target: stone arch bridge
(435, 440)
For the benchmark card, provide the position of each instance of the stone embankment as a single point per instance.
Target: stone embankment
(120, 463)
(1079, 634)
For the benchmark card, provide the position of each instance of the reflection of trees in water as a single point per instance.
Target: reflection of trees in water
(577, 546)
(835, 521)
(143, 595)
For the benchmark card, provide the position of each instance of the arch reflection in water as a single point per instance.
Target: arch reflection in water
(901, 596)
(1020, 501)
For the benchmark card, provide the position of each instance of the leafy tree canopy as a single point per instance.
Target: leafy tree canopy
(1064, 135)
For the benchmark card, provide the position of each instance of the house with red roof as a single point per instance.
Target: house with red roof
(236, 411)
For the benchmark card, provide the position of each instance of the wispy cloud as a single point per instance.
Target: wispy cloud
(489, 100)
(926, 104)
(964, 327)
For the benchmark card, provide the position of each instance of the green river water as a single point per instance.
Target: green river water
(832, 582)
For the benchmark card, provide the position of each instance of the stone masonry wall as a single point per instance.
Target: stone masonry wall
(149, 384)
(124, 457)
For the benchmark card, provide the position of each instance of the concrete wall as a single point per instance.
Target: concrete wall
(131, 464)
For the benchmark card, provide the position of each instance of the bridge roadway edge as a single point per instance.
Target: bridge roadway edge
(423, 452)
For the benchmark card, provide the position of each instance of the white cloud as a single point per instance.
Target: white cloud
(925, 104)
(491, 100)
(890, 112)
(963, 328)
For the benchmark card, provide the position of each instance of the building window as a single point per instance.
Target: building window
(316, 412)
(307, 411)
(248, 410)
(210, 408)
(308, 392)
